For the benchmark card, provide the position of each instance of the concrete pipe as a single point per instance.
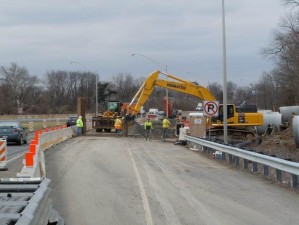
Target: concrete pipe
(273, 118)
(296, 130)
(286, 112)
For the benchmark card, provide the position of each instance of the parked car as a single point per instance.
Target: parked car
(161, 115)
(13, 132)
(71, 121)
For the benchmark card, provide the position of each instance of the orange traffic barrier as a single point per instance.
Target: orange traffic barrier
(29, 159)
(46, 129)
(36, 134)
(32, 148)
(53, 128)
(3, 157)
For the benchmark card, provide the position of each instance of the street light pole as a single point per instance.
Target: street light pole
(164, 66)
(224, 77)
(96, 76)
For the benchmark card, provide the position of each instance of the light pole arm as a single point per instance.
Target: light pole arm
(153, 61)
(164, 67)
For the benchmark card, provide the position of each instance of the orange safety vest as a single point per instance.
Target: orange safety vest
(118, 124)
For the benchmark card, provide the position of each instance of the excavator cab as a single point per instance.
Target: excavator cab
(230, 114)
(113, 109)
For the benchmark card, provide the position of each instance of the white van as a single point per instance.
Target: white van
(153, 114)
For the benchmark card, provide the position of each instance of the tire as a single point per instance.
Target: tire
(20, 141)
(25, 141)
(98, 130)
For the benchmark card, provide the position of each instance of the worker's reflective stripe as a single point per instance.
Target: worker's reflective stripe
(117, 126)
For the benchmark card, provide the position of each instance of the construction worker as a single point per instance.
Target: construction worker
(166, 125)
(79, 124)
(118, 125)
(148, 126)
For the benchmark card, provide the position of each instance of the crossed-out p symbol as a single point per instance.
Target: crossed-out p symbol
(211, 108)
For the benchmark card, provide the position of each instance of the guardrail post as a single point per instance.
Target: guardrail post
(230, 158)
(266, 162)
(245, 164)
(237, 162)
(294, 181)
(278, 175)
(254, 167)
(205, 149)
(266, 170)
(223, 156)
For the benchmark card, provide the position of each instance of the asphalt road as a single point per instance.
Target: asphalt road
(15, 150)
(111, 181)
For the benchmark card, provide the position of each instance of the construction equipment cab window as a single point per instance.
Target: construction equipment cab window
(230, 114)
(113, 106)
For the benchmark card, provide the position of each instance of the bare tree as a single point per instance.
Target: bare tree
(284, 51)
(17, 85)
(217, 90)
(65, 87)
(292, 3)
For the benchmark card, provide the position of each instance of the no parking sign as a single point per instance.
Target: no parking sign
(210, 108)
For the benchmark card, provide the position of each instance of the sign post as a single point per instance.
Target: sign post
(210, 109)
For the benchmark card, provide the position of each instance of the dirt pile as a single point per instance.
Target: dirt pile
(280, 144)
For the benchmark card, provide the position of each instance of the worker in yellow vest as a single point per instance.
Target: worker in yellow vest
(118, 125)
(166, 125)
(148, 126)
(79, 124)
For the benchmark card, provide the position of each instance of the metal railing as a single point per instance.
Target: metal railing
(280, 165)
(26, 201)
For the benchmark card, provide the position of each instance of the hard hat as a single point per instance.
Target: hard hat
(80, 117)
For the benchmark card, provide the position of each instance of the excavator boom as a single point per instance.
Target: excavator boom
(176, 84)
(235, 119)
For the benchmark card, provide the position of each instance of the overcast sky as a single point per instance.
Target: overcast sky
(184, 35)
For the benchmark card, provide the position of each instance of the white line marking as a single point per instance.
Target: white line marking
(147, 210)
(16, 157)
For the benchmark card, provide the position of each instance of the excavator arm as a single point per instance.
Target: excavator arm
(174, 83)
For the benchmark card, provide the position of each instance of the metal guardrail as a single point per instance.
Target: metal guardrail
(268, 161)
(25, 201)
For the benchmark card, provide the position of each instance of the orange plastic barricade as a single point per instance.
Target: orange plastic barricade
(29, 156)
(33, 141)
(3, 154)
(32, 148)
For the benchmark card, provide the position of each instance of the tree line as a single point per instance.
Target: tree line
(58, 91)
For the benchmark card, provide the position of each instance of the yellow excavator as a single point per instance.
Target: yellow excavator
(240, 120)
